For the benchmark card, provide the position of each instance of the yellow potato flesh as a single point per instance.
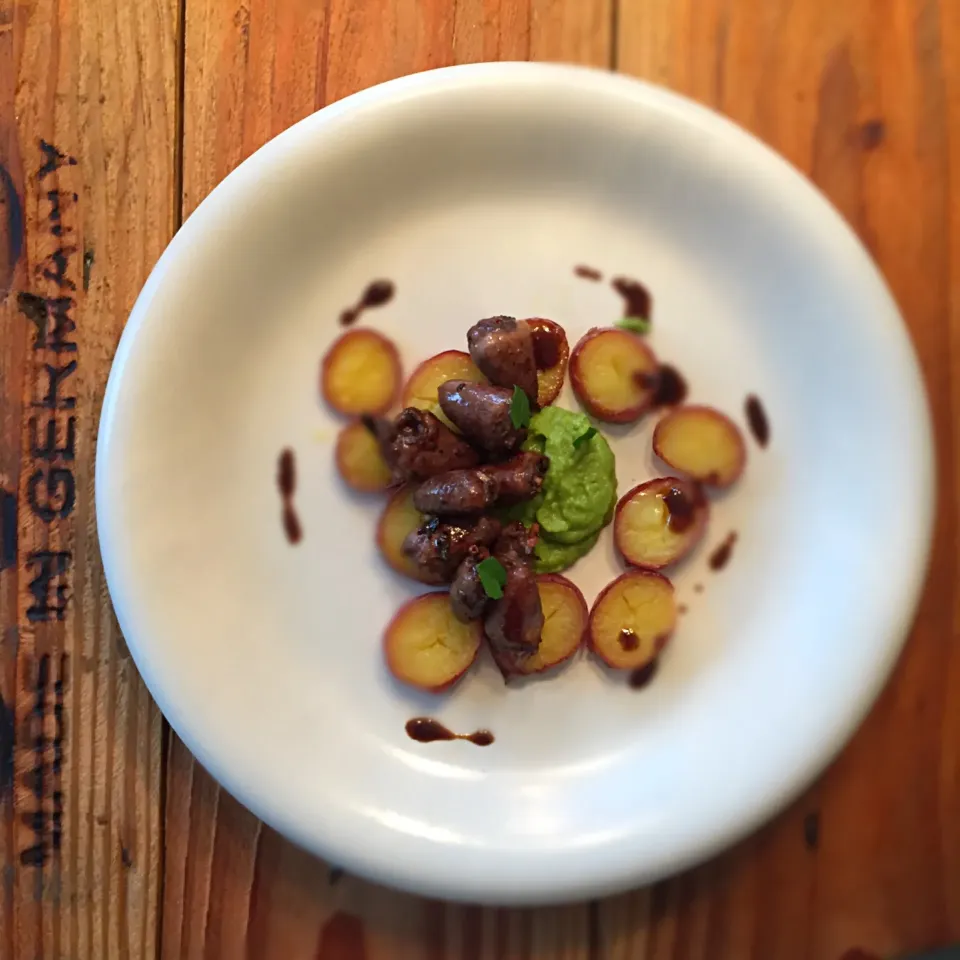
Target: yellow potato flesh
(641, 604)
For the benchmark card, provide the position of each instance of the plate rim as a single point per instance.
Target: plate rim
(483, 889)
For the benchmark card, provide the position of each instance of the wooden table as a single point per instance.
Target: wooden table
(116, 118)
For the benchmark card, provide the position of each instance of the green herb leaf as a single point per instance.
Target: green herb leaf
(493, 577)
(519, 408)
(639, 325)
(588, 434)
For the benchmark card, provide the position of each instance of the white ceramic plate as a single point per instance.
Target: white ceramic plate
(476, 190)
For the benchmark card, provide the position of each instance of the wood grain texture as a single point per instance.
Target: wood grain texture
(864, 97)
(861, 96)
(87, 159)
(251, 69)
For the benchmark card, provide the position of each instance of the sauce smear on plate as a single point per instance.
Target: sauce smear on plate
(636, 297)
(757, 419)
(377, 293)
(643, 675)
(428, 730)
(287, 483)
(588, 273)
(721, 556)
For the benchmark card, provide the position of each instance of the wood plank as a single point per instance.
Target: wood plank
(87, 163)
(251, 69)
(863, 97)
(858, 96)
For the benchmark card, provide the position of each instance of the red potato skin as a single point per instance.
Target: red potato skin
(584, 609)
(713, 411)
(391, 662)
(395, 562)
(663, 641)
(563, 581)
(577, 380)
(395, 360)
(692, 536)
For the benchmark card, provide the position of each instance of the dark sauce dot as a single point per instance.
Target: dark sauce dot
(588, 273)
(698, 588)
(428, 730)
(682, 609)
(642, 676)
(482, 738)
(757, 419)
(628, 639)
(291, 525)
(721, 556)
(287, 484)
(287, 473)
(671, 387)
(377, 293)
(636, 297)
(682, 506)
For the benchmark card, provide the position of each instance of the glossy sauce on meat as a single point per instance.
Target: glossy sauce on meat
(502, 349)
(428, 730)
(546, 346)
(287, 484)
(514, 623)
(482, 414)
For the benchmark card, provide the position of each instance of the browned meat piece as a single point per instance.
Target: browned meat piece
(438, 548)
(516, 542)
(502, 348)
(417, 445)
(519, 478)
(457, 492)
(509, 661)
(467, 596)
(473, 491)
(482, 412)
(514, 623)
